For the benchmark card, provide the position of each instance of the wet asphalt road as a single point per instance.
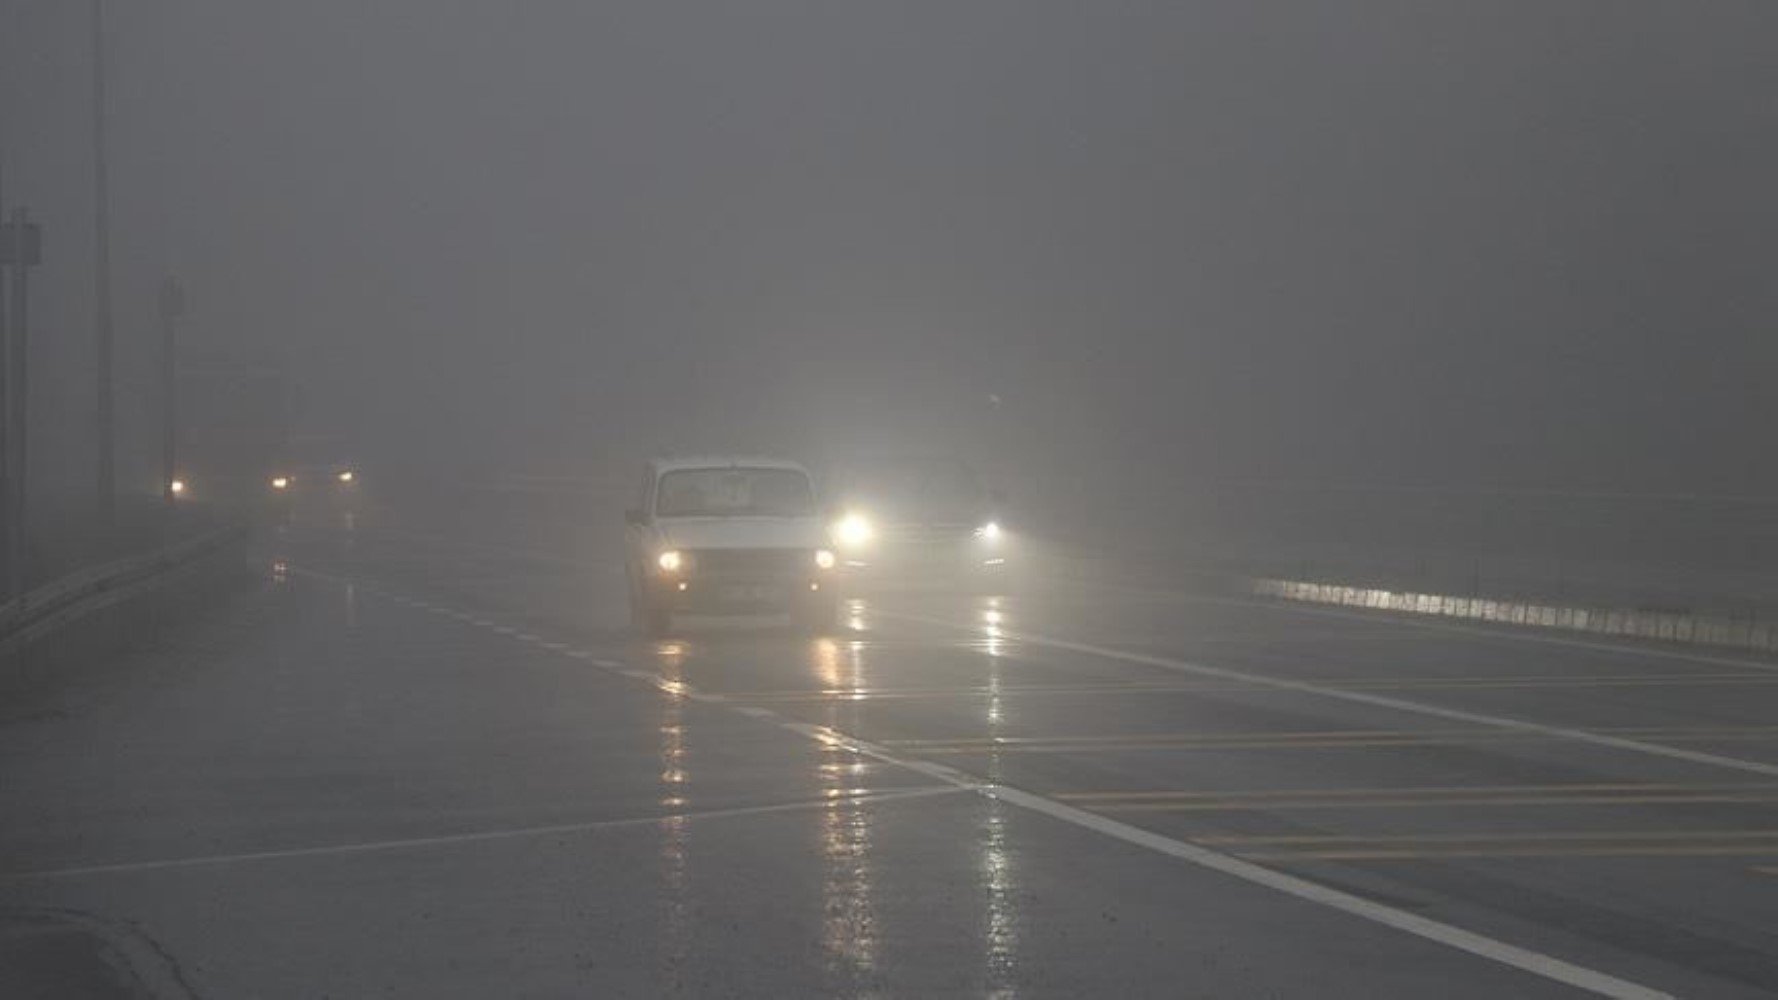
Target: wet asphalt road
(402, 763)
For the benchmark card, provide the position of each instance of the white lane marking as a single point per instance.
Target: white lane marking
(482, 836)
(1376, 700)
(1505, 632)
(1524, 959)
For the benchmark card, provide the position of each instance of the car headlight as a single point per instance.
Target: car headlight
(853, 530)
(280, 482)
(824, 558)
(672, 560)
(989, 532)
(346, 476)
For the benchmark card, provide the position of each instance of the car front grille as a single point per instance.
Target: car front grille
(751, 564)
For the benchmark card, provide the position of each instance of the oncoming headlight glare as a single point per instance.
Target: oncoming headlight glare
(989, 532)
(824, 558)
(852, 530)
(671, 561)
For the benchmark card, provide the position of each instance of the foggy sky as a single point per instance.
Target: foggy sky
(1452, 243)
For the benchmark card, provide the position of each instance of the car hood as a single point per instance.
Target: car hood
(743, 533)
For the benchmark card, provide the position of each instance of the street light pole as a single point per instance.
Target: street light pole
(172, 306)
(22, 252)
(107, 490)
(6, 553)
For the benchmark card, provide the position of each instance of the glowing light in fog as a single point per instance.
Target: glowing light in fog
(671, 561)
(176, 487)
(853, 530)
(989, 532)
(280, 482)
(346, 476)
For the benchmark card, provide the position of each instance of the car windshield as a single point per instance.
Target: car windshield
(735, 493)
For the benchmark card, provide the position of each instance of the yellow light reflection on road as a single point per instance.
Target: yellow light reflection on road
(674, 868)
(995, 860)
(849, 932)
(991, 628)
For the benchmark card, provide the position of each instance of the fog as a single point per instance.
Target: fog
(1433, 244)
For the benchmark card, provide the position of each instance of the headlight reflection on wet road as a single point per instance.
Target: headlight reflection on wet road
(849, 931)
(674, 851)
(995, 862)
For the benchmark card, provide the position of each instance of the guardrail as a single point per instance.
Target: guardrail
(43, 610)
(1662, 626)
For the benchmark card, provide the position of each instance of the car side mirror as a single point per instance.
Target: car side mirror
(634, 516)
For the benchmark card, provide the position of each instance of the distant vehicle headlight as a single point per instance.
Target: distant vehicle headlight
(824, 558)
(176, 487)
(671, 560)
(346, 476)
(853, 530)
(280, 482)
(989, 532)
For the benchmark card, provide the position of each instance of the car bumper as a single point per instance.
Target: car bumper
(720, 595)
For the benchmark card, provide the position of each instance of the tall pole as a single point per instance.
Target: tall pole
(17, 402)
(107, 489)
(172, 304)
(6, 553)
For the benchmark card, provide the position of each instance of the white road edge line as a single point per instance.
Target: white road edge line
(412, 843)
(1376, 700)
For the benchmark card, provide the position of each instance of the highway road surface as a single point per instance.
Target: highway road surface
(417, 760)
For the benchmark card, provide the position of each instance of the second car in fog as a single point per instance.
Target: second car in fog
(918, 520)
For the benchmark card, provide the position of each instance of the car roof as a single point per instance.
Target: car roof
(665, 465)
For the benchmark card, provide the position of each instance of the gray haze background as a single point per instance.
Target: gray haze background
(1454, 244)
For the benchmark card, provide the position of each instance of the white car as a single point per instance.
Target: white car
(728, 535)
